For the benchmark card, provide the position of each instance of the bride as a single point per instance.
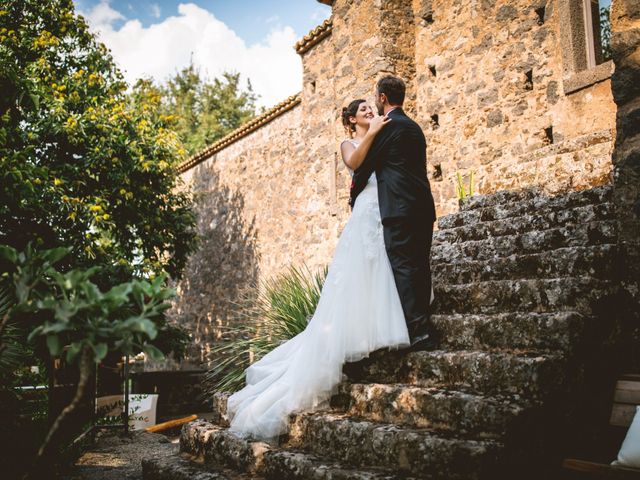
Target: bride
(359, 311)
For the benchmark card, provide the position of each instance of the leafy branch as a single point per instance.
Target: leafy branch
(74, 317)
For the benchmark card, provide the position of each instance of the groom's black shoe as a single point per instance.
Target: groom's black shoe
(422, 333)
(426, 341)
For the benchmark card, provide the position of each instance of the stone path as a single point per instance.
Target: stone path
(115, 457)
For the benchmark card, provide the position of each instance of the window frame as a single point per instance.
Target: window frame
(580, 67)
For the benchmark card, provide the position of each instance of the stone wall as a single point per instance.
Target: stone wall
(491, 82)
(625, 19)
(492, 71)
(262, 204)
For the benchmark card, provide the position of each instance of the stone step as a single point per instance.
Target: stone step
(215, 444)
(599, 261)
(538, 198)
(510, 204)
(489, 248)
(537, 221)
(218, 446)
(463, 413)
(219, 408)
(530, 374)
(294, 465)
(582, 295)
(421, 452)
(177, 467)
(503, 197)
(556, 331)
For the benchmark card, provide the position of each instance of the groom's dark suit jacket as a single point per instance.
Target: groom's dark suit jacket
(398, 155)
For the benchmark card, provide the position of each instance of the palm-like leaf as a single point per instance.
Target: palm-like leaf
(272, 313)
(11, 351)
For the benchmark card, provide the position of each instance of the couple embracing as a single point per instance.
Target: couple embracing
(378, 288)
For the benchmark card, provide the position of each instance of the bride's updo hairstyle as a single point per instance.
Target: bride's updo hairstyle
(350, 111)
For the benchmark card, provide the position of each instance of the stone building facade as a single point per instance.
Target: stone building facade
(506, 89)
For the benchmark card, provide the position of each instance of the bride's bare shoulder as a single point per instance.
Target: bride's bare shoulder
(346, 149)
(347, 145)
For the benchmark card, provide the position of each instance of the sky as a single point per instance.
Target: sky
(157, 38)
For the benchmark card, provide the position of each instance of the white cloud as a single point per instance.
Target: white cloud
(159, 50)
(155, 10)
(102, 14)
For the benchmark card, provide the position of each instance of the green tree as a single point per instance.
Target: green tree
(81, 165)
(83, 168)
(69, 315)
(605, 31)
(200, 111)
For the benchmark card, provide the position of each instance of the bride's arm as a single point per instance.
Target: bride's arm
(354, 156)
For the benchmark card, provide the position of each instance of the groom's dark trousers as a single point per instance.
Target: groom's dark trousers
(398, 156)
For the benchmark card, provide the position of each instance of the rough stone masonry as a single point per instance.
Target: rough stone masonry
(502, 88)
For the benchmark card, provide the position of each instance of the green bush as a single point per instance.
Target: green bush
(270, 314)
(68, 315)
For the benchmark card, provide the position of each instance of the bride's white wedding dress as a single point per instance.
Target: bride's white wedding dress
(359, 311)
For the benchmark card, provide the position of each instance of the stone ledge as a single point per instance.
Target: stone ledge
(314, 37)
(462, 414)
(586, 78)
(407, 451)
(500, 372)
(242, 131)
(178, 468)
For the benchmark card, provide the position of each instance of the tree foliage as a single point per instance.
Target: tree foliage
(605, 32)
(200, 111)
(69, 315)
(83, 166)
(92, 217)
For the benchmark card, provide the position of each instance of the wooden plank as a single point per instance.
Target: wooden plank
(600, 470)
(627, 391)
(622, 414)
(171, 423)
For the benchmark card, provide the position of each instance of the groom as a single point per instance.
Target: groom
(399, 158)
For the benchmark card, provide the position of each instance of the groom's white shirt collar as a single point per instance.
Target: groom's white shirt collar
(394, 108)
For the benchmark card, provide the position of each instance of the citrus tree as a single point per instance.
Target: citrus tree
(82, 166)
(92, 216)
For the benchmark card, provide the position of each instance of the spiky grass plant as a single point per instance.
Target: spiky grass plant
(461, 190)
(268, 315)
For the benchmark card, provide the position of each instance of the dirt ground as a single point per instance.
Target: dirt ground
(116, 457)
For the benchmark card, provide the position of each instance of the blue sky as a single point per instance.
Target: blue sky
(250, 19)
(156, 38)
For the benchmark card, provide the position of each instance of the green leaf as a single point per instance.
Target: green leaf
(54, 345)
(8, 253)
(143, 325)
(153, 352)
(54, 255)
(36, 100)
(73, 351)
(54, 328)
(100, 350)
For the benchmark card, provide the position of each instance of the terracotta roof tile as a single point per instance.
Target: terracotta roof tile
(240, 132)
(314, 37)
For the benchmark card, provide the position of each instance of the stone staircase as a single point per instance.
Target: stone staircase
(521, 280)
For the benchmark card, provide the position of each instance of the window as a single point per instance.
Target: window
(585, 33)
(597, 31)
